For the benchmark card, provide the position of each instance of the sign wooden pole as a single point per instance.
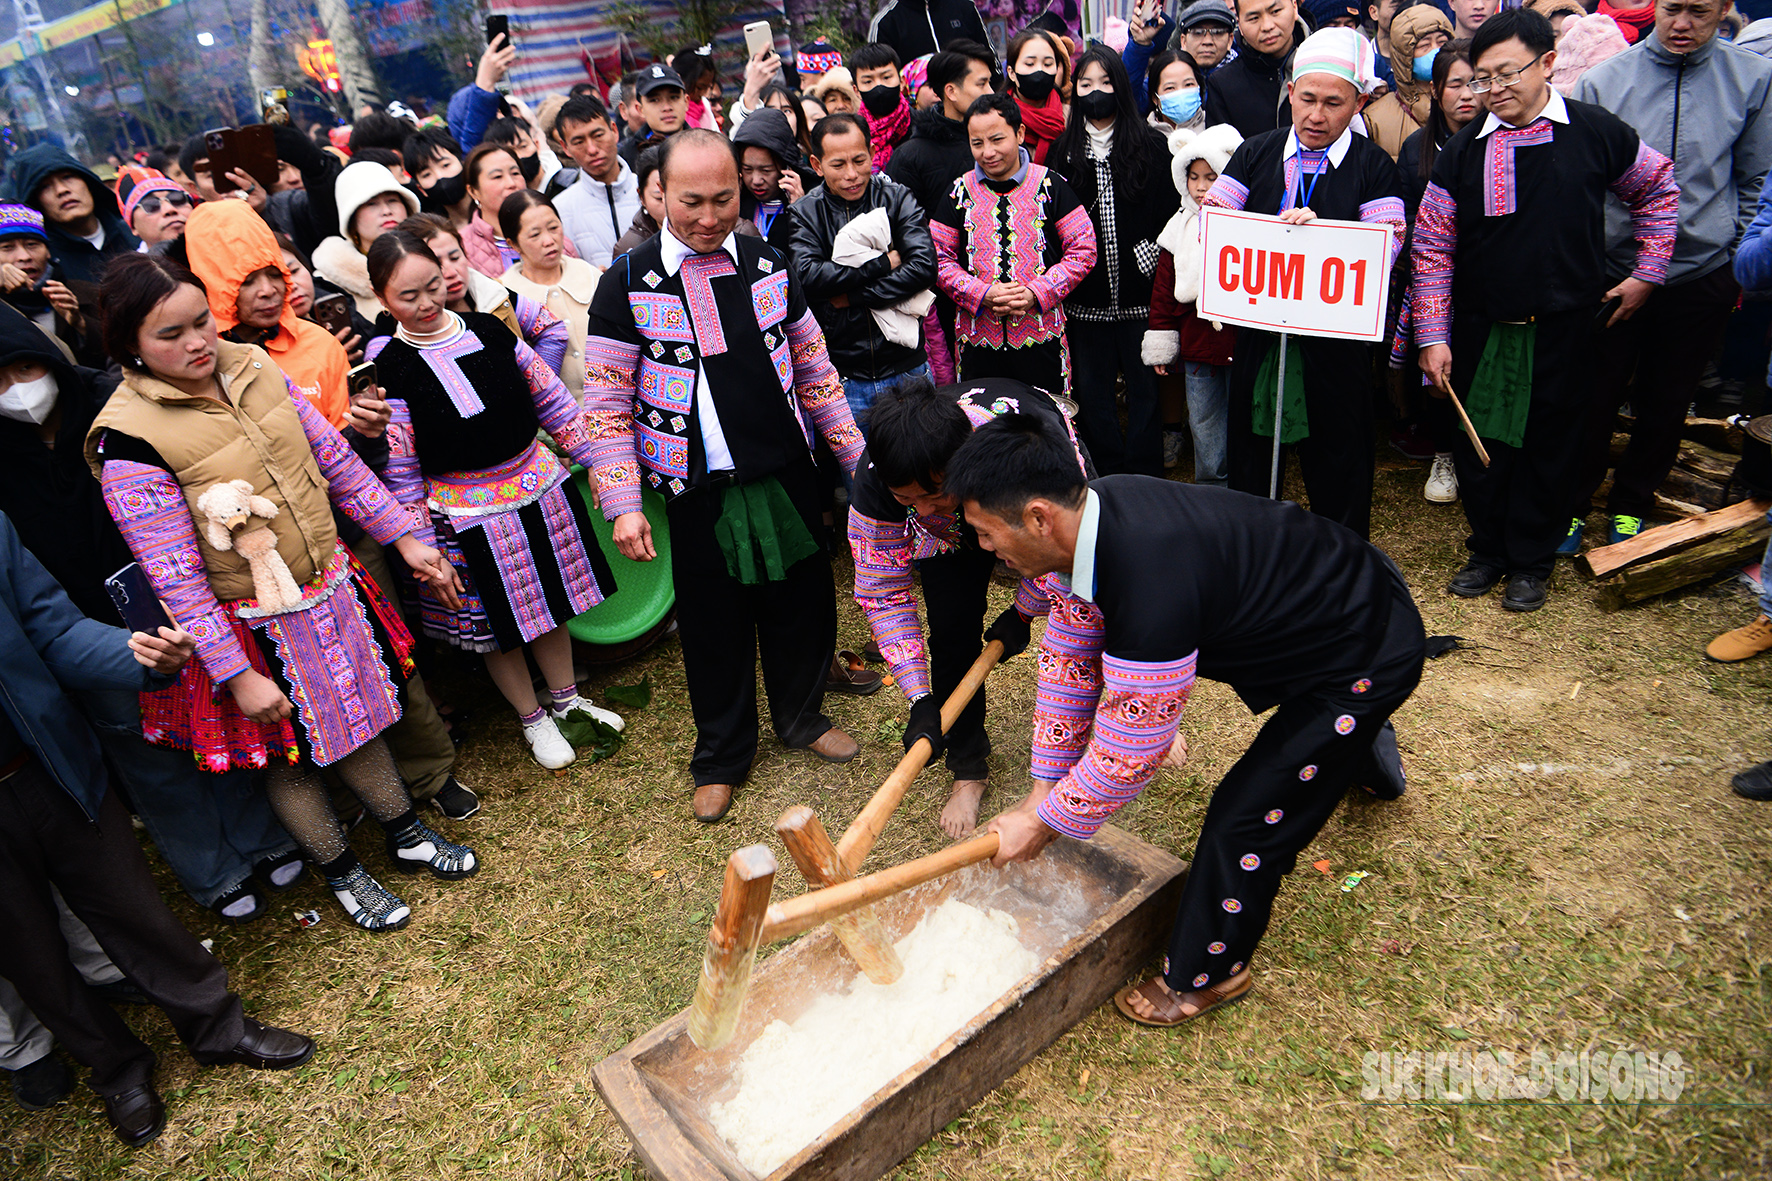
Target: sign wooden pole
(1273, 486)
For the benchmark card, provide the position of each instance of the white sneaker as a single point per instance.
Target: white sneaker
(1442, 481)
(548, 745)
(608, 717)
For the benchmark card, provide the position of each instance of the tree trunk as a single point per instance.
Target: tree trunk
(354, 68)
(261, 64)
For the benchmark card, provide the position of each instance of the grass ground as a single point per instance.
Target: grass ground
(1568, 870)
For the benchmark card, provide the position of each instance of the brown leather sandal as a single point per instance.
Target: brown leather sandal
(850, 674)
(1225, 992)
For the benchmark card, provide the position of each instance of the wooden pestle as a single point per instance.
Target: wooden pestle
(790, 918)
(732, 946)
(858, 839)
(860, 930)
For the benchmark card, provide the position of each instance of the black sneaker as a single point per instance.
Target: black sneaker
(455, 801)
(1755, 783)
(43, 1083)
(1525, 592)
(1474, 581)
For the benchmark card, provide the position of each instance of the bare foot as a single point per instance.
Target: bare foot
(961, 814)
(1154, 1000)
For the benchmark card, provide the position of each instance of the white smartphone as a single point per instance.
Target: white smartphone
(758, 38)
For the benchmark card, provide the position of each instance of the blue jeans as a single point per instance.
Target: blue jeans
(861, 394)
(1208, 417)
(209, 828)
(1766, 575)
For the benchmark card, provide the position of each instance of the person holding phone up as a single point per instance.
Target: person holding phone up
(310, 681)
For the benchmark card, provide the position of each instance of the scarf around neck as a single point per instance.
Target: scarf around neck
(1043, 122)
(888, 132)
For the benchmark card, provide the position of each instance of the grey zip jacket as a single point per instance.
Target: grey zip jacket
(1706, 110)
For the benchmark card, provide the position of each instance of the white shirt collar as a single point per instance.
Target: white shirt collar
(675, 252)
(1556, 110)
(1337, 150)
(1081, 582)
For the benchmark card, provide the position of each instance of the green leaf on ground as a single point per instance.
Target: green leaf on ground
(582, 730)
(637, 696)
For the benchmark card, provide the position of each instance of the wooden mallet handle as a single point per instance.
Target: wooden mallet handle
(860, 931)
(790, 918)
(1482, 452)
(858, 839)
(732, 946)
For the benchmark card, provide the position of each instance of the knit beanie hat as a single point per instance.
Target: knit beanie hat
(20, 221)
(1340, 53)
(152, 184)
(816, 58)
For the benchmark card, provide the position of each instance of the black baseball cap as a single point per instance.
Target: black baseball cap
(655, 78)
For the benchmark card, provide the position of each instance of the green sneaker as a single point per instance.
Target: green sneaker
(1572, 543)
(1624, 528)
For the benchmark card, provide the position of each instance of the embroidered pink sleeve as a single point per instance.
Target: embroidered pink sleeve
(1135, 723)
(1031, 599)
(150, 509)
(883, 588)
(956, 282)
(349, 482)
(610, 380)
(1388, 211)
(559, 414)
(1069, 683)
(1227, 192)
(544, 332)
(1430, 259)
(820, 392)
(1649, 191)
(402, 474)
(1077, 233)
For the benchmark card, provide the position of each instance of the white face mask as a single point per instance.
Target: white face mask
(30, 401)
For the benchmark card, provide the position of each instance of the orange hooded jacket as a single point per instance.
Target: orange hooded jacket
(228, 241)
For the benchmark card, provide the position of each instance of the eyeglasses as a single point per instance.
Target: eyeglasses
(1212, 31)
(1505, 80)
(151, 204)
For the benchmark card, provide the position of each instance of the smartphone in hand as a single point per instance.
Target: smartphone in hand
(360, 382)
(498, 25)
(759, 39)
(332, 312)
(136, 601)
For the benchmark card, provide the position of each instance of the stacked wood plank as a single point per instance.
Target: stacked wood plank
(1671, 556)
(1699, 482)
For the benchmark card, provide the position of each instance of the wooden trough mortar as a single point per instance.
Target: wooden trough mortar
(1096, 911)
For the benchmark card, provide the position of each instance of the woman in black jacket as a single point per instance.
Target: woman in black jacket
(1119, 166)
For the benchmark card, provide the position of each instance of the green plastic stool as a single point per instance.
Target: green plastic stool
(644, 594)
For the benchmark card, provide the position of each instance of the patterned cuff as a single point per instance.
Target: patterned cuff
(1146, 253)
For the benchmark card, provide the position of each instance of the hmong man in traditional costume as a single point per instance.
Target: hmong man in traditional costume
(1317, 168)
(1510, 270)
(464, 460)
(1153, 584)
(904, 527)
(312, 655)
(705, 370)
(1011, 241)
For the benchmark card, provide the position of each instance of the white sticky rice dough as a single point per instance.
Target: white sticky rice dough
(795, 1081)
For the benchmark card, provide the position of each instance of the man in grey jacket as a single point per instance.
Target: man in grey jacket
(1702, 102)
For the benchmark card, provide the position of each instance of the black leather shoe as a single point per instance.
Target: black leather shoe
(1755, 783)
(42, 1084)
(1525, 592)
(1474, 581)
(264, 1047)
(137, 1115)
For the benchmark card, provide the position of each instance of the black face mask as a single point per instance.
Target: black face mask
(450, 191)
(1036, 86)
(1097, 104)
(529, 166)
(881, 101)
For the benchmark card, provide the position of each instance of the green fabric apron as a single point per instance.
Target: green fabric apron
(760, 532)
(1501, 391)
(1294, 422)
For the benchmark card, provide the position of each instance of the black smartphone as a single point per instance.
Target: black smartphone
(136, 601)
(360, 382)
(221, 159)
(498, 25)
(1607, 309)
(331, 312)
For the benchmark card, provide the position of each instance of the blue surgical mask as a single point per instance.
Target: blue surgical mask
(1179, 106)
(1424, 65)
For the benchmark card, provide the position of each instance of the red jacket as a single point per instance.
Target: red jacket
(1195, 339)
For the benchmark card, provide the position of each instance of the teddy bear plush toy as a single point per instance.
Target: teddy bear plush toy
(230, 505)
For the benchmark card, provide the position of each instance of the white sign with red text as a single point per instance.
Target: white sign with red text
(1323, 278)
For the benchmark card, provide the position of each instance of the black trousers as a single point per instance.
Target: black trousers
(1518, 506)
(1338, 457)
(45, 838)
(1664, 346)
(1275, 800)
(725, 626)
(1099, 354)
(954, 590)
(1045, 366)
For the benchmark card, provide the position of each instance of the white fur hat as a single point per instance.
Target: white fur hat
(1214, 145)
